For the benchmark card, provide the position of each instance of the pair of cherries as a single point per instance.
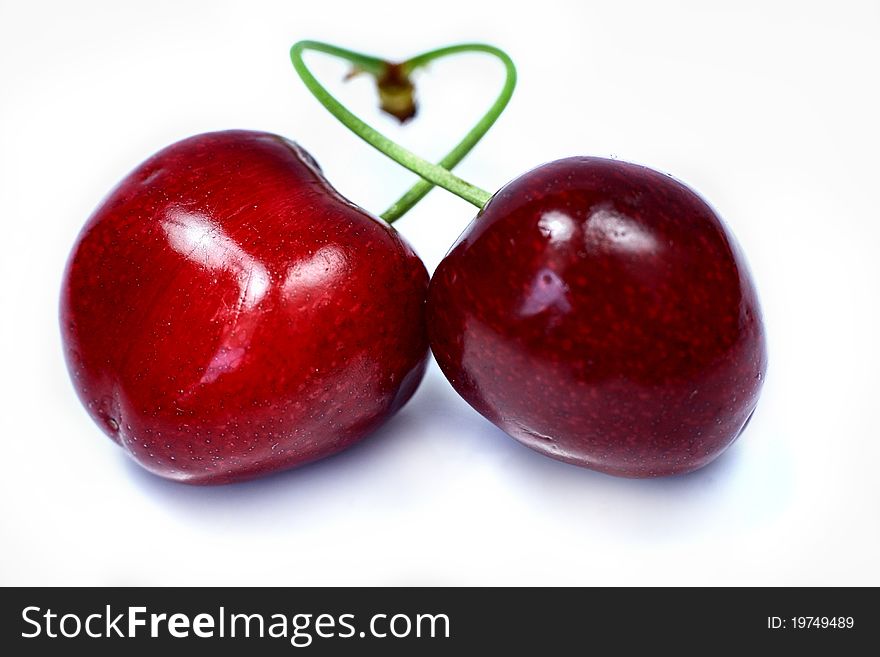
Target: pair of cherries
(226, 313)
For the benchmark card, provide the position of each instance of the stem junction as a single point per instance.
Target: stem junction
(396, 101)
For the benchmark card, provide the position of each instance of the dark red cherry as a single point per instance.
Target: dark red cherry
(600, 313)
(226, 313)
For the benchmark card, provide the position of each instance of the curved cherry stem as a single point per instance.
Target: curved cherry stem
(433, 174)
(418, 191)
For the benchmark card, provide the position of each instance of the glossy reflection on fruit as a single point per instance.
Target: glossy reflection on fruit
(226, 313)
(600, 313)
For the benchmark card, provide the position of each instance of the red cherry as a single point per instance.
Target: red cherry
(226, 313)
(600, 313)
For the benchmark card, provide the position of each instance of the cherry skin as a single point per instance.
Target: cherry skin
(600, 313)
(226, 313)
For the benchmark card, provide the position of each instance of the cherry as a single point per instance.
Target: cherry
(600, 313)
(226, 313)
(597, 311)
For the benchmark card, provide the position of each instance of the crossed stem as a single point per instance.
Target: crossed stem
(431, 174)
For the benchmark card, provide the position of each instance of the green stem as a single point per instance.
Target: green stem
(418, 191)
(434, 174)
(366, 63)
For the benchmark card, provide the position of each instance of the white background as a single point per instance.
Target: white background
(769, 109)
